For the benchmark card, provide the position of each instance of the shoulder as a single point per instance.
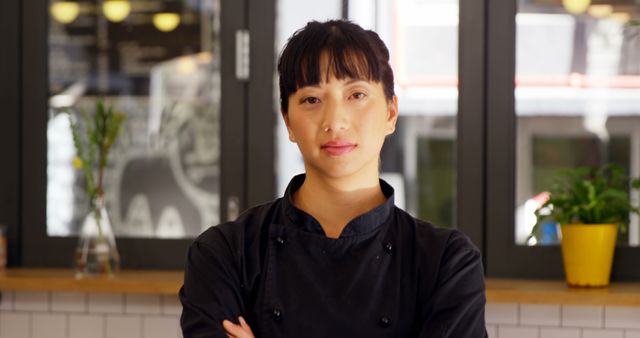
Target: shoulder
(432, 241)
(247, 227)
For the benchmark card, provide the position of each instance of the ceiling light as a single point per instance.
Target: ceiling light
(576, 6)
(116, 10)
(600, 11)
(620, 17)
(65, 11)
(166, 22)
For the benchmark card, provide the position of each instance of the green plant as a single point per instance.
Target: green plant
(589, 195)
(93, 146)
(93, 143)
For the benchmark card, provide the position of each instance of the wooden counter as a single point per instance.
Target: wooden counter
(557, 292)
(129, 281)
(169, 282)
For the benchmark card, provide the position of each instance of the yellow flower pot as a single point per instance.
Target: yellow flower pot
(587, 252)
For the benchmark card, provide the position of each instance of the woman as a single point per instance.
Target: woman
(334, 257)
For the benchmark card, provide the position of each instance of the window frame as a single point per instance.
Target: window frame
(248, 106)
(505, 258)
(9, 124)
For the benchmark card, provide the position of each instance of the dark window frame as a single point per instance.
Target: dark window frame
(505, 258)
(10, 60)
(485, 139)
(248, 106)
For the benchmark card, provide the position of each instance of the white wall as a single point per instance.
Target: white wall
(88, 315)
(103, 315)
(562, 321)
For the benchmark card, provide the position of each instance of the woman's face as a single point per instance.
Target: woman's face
(340, 126)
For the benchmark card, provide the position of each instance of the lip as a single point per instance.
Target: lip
(338, 147)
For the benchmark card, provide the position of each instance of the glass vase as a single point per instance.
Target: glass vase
(97, 253)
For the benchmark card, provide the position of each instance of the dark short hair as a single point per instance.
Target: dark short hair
(353, 52)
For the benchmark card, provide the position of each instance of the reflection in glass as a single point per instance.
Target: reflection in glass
(163, 177)
(577, 99)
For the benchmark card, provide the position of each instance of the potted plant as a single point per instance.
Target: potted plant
(591, 205)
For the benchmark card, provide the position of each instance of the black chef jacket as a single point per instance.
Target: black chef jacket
(387, 275)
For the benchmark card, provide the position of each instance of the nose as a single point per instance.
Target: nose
(336, 116)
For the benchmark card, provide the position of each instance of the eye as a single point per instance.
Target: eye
(310, 100)
(358, 95)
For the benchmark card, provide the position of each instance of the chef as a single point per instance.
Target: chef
(334, 257)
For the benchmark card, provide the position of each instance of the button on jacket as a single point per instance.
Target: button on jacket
(387, 275)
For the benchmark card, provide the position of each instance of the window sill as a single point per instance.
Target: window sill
(169, 282)
(557, 292)
(127, 281)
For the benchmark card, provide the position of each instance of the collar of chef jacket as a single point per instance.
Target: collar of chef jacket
(365, 223)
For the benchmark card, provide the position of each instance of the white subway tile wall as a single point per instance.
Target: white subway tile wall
(595, 333)
(540, 314)
(518, 331)
(632, 334)
(49, 325)
(582, 316)
(15, 325)
(106, 303)
(88, 315)
(502, 314)
(160, 327)
(621, 317)
(554, 332)
(561, 321)
(124, 326)
(84, 325)
(69, 302)
(104, 315)
(6, 300)
(142, 304)
(171, 305)
(31, 301)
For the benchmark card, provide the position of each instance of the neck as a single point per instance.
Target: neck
(335, 202)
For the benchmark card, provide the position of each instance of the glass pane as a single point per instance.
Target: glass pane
(577, 100)
(419, 159)
(292, 15)
(157, 62)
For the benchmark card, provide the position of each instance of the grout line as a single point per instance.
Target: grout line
(125, 302)
(68, 328)
(86, 302)
(104, 325)
(49, 302)
(30, 321)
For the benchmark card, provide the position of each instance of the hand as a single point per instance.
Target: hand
(237, 331)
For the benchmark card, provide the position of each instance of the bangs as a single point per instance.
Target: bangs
(333, 48)
(339, 55)
(341, 63)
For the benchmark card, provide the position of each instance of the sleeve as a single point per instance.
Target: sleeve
(458, 301)
(212, 288)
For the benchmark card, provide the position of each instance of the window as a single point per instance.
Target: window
(173, 82)
(574, 103)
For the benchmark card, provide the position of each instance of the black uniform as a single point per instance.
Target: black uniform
(388, 275)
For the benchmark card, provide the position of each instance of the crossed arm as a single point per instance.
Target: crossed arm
(212, 296)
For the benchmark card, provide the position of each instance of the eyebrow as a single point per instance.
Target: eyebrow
(317, 85)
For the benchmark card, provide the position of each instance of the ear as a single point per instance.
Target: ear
(392, 115)
(285, 117)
